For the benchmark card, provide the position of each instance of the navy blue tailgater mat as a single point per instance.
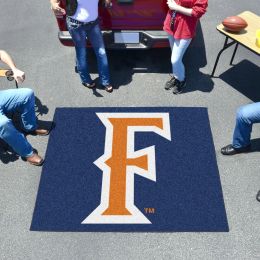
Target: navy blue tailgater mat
(130, 170)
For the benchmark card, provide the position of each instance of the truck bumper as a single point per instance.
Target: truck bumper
(113, 39)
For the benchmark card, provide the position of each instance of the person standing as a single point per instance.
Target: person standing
(180, 24)
(19, 101)
(83, 23)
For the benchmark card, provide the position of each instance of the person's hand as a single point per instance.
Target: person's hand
(108, 3)
(18, 75)
(58, 11)
(172, 5)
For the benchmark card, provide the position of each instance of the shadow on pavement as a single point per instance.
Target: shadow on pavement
(40, 109)
(125, 63)
(255, 145)
(194, 59)
(129, 62)
(6, 154)
(95, 92)
(245, 78)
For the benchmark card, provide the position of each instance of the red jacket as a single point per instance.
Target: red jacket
(185, 26)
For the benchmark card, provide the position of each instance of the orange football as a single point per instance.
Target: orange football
(234, 23)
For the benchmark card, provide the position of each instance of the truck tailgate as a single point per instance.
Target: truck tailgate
(133, 14)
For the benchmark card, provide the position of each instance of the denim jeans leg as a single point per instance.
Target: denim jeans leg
(27, 111)
(97, 42)
(20, 100)
(14, 138)
(246, 116)
(179, 47)
(171, 40)
(82, 66)
(17, 100)
(78, 34)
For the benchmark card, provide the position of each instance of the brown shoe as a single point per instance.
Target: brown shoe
(108, 88)
(34, 159)
(42, 131)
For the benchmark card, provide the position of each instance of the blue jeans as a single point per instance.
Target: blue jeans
(17, 101)
(246, 116)
(179, 47)
(80, 33)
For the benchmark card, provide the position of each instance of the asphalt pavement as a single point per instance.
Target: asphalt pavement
(28, 31)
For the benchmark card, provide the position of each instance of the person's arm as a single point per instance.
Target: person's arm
(198, 9)
(18, 75)
(55, 6)
(180, 9)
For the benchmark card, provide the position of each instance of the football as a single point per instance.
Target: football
(234, 23)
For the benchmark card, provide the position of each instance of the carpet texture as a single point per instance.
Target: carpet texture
(130, 170)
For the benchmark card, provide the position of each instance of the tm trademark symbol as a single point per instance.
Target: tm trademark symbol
(149, 210)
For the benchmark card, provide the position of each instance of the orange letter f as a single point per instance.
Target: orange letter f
(120, 162)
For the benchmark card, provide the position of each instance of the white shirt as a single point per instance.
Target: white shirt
(87, 11)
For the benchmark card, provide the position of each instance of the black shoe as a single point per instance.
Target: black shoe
(91, 85)
(170, 83)
(178, 86)
(230, 150)
(258, 196)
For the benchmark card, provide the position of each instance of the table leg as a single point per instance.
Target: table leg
(234, 53)
(226, 45)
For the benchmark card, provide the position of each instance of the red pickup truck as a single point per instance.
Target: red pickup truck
(132, 24)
